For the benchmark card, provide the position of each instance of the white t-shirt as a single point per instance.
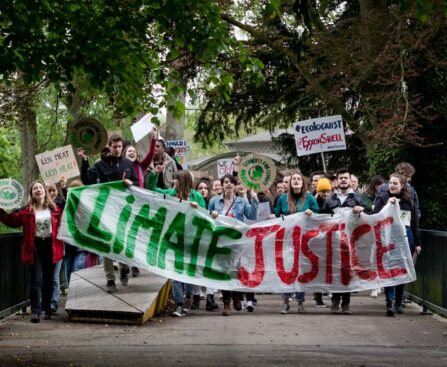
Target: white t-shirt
(43, 223)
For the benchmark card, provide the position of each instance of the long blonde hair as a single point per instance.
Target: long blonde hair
(292, 197)
(47, 202)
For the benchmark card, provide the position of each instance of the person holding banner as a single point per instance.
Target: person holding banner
(41, 249)
(322, 192)
(204, 187)
(344, 197)
(398, 193)
(140, 167)
(114, 167)
(295, 200)
(230, 205)
(183, 189)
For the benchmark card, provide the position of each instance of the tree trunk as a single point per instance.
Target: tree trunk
(175, 128)
(27, 123)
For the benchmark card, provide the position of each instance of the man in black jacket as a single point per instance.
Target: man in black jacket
(111, 167)
(344, 197)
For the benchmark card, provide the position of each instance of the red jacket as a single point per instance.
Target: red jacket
(26, 218)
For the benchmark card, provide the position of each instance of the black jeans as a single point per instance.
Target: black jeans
(228, 295)
(346, 298)
(41, 276)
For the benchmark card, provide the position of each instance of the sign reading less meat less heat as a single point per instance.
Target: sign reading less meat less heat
(257, 172)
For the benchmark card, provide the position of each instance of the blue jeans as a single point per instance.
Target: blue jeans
(397, 292)
(298, 295)
(55, 296)
(180, 289)
(74, 262)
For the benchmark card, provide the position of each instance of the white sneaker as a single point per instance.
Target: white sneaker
(285, 308)
(374, 293)
(250, 307)
(179, 312)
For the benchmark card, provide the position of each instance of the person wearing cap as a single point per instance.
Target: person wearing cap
(322, 192)
(314, 178)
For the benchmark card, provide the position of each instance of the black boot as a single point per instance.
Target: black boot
(195, 302)
(389, 309)
(210, 304)
(214, 303)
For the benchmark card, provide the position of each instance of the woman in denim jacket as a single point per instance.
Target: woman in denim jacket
(230, 205)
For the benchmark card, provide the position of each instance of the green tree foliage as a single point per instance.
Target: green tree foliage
(120, 47)
(10, 160)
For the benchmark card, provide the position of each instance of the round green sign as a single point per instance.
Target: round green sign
(257, 172)
(88, 133)
(11, 194)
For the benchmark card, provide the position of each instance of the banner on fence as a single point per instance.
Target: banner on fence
(338, 253)
(57, 163)
(324, 134)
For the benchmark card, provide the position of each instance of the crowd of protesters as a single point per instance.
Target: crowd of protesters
(319, 192)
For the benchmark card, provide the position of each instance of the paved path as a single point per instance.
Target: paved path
(263, 338)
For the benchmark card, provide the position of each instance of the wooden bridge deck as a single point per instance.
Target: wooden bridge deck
(134, 304)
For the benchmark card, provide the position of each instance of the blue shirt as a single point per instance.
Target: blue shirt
(240, 207)
(282, 207)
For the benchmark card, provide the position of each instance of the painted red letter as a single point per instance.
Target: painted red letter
(313, 272)
(287, 277)
(252, 280)
(363, 273)
(381, 250)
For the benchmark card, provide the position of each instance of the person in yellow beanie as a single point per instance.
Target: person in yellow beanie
(323, 184)
(323, 190)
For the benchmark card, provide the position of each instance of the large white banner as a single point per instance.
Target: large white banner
(323, 134)
(338, 253)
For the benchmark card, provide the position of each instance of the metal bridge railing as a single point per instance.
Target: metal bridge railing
(430, 288)
(14, 289)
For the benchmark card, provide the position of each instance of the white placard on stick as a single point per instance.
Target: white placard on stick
(225, 166)
(57, 163)
(142, 127)
(323, 134)
(181, 146)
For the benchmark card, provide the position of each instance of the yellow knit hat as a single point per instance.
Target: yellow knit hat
(323, 184)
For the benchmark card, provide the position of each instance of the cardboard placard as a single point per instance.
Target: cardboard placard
(89, 134)
(57, 163)
(257, 172)
(11, 193)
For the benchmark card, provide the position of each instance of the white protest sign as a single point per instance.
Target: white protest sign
(225, 167)
(57, 163)
(142, 127)
(263, 213)
(338, 253)
(181, 146)
(323, 134)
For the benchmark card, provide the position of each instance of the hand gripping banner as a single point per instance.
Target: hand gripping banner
(339, 253)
